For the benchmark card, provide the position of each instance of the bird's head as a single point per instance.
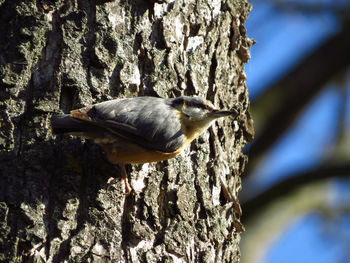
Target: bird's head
(197, 112)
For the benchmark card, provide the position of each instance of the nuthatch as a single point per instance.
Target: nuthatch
(142, 129)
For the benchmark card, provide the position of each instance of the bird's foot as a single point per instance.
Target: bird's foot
(124, 177)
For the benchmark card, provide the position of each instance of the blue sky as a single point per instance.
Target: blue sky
(316, 129)
(283, 38)
(309, 232)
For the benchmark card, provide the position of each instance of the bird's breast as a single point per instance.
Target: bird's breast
(123, 151)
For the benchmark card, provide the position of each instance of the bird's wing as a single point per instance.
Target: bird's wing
(147, 121)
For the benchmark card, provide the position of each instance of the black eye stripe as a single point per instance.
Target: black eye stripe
(198, 105)
(178, 101)
(192, 102)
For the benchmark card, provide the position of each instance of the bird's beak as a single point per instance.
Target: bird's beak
(223, 113)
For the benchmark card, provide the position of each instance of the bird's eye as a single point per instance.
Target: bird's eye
(187, 115)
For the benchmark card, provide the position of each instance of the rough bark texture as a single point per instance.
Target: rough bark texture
(58, 55)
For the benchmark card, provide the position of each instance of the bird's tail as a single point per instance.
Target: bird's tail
(64, 123)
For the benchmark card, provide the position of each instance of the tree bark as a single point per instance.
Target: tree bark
(55, 56)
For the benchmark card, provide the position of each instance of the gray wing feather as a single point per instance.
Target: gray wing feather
(148, 121)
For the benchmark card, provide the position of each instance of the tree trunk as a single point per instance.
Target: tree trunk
(55, 204)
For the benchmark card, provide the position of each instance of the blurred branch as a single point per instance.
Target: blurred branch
(342, 10)
(266, 227)
(290, 184)
(343, 88)
(289, 95)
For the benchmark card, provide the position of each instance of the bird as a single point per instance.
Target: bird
(140, 129)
